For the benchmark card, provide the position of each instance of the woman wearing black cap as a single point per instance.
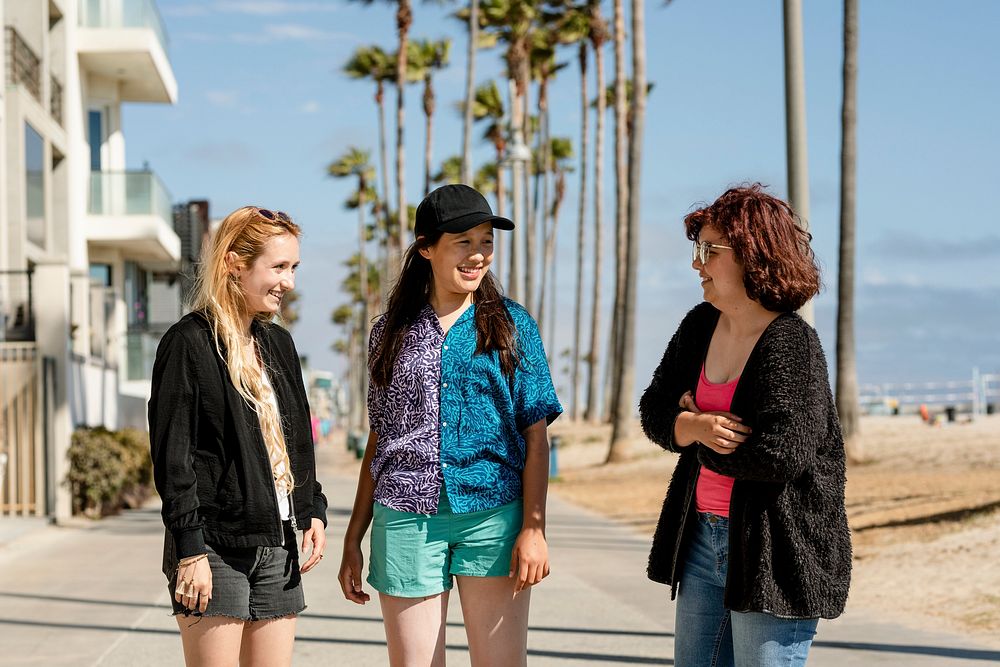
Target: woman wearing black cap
(455, 473)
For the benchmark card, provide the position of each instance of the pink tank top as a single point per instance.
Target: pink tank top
(713, 490)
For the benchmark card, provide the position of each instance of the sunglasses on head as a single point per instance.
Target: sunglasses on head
(702, 250)
(272, 215)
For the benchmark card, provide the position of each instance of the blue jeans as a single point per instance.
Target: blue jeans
(709, 635)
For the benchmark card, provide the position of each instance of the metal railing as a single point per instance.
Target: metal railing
(17, 312)
(23, 66)
(22, 448)
(978, 395)
(123, 14)
(140, 352)
(129, 193)
(56, 99)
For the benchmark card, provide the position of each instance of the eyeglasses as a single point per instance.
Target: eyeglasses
(273, 215)
(702, 250)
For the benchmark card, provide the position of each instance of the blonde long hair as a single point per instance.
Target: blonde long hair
(219, 295)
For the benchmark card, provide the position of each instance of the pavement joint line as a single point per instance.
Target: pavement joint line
(125, 633)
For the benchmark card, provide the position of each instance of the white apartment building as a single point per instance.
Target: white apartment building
(86, 245)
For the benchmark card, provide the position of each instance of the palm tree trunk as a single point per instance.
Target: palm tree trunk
(542, 213)
(404, 17)
(388, 262)
(795, 123)
(847, 369)
(621, 208)
(581, 239)
(428, 133)
(593, 367)
(531, 229)
(622, 421)
(363, 325)
(516, 280)
(470, 92)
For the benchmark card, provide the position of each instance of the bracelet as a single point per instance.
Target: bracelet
(191, 560)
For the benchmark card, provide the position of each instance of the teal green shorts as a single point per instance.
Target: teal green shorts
(416, 555)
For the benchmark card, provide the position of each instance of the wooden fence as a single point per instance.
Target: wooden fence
(22, 446)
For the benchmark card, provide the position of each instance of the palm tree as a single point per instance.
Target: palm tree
(598, 38)
(470, 85)
(561, 152)
(511, 21)
(621, 206)
(847, 368)
(795, 122)
(426, 58)
(404, 19)
(581, 236)
(622, 416)
(450, 171)
(372, 62)
(487, 104)
(356, 163)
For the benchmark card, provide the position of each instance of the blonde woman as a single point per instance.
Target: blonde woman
(233, 453)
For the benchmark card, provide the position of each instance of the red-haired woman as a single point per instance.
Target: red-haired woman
(753, 536)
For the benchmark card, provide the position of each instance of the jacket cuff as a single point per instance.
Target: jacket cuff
(189, 542)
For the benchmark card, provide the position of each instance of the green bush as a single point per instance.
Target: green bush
(109, 470)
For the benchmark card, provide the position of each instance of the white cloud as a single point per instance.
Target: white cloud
(224, 99)
(291, 32)
(186, 11)
(273, 7)
(312, 106)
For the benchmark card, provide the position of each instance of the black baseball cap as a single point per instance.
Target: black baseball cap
(455, 208)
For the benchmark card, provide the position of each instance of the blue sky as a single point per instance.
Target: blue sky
(263, 108)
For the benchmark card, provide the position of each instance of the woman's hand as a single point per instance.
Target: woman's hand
(316, 537)
(351, 565)
(529, 560)
(720, 431)
(194, 585)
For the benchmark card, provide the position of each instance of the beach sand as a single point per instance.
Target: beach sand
(924, 510)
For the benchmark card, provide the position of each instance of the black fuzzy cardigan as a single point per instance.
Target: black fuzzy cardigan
(789, 542)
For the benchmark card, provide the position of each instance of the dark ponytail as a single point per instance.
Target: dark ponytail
(494, 325)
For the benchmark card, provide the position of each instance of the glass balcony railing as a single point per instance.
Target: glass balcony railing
(123, 14)
(140, 351)
(129, 193)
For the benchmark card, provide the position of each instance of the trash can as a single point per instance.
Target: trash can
(949, 412)
(554, 443)
(991, 408)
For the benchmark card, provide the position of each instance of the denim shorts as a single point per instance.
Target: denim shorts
(416, 555)
(248, 583)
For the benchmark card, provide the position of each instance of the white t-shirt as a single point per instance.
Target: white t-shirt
(284, 506)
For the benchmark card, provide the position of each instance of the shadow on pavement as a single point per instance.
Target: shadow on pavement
(604, 658)
(940, 651)
(59, 598)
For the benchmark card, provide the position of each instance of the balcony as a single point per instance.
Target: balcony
(140, 352)
(125, 40)
(23, 66)
(131, 210)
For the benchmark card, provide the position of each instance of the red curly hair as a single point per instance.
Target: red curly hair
(779, 267)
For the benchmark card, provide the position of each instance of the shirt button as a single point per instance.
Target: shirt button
(444, 465)
(445, 385)
(444, 424)
(446, 347)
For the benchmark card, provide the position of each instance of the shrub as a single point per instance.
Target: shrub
(109, 470)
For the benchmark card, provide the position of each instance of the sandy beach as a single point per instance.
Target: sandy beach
(924, 510)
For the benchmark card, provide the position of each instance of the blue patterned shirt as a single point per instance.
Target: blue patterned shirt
(450, 415)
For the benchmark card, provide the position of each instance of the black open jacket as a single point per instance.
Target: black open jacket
(210, 464)
(789, 542)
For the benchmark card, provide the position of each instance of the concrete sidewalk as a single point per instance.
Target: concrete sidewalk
(94, 596)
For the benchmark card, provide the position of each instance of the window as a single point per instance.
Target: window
(34, 171)
(136, 295)
(100, 275)
(95, 137)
